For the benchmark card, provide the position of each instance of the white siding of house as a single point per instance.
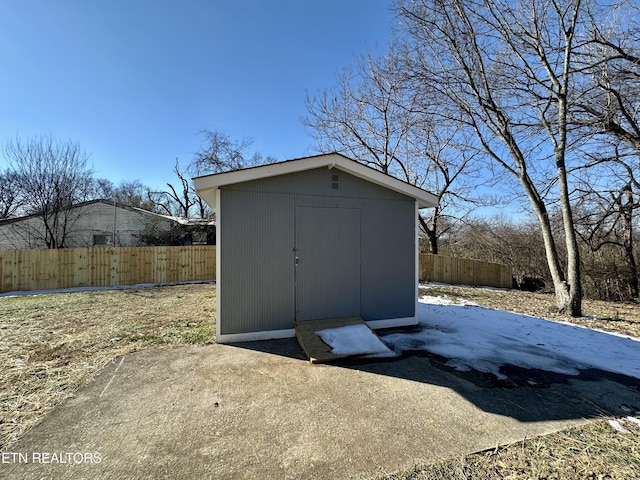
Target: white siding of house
(87, 221)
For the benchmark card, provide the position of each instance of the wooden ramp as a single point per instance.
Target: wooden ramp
(312, 344)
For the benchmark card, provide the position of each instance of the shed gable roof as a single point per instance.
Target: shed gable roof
(206, 186)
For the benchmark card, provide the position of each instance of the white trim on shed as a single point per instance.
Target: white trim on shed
(206, 186)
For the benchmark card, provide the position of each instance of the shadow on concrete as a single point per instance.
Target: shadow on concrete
(527, 395)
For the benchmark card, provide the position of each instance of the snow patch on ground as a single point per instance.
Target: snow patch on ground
(633, 420)
(353, 340)
(478, 338)
(617, 426)
(447, 301)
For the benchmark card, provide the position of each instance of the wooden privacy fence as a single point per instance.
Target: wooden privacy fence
(104, 267)
(24, 270)
(462, 271)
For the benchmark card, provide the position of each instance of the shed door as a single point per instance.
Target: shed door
(327, 262)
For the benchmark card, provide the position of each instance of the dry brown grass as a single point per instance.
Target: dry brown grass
(592, 452)
(52, 344)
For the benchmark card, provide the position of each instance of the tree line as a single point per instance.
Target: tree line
(44, 176)
(607, 274)
(532, 104)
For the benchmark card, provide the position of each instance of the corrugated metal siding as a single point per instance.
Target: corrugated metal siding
(388, 260)
(328, 267)
(256, 262)
(257, 258)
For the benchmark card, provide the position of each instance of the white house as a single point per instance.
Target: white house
(103, 223)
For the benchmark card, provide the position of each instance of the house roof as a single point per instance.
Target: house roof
(194, 222)
(141, 211)
(207, 186)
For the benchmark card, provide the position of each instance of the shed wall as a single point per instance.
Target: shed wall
(257, 241)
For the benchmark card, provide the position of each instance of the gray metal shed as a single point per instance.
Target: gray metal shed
(313, 238)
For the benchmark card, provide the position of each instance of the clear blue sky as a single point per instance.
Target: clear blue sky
(134, 81)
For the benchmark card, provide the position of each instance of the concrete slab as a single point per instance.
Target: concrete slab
(260, 410)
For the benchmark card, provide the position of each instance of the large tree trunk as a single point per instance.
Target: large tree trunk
(431, 231)
(567, 289)
(627, 241)
(569, 294)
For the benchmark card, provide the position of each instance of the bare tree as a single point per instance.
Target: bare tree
(102, 188)
(507, 70)
(500, 239)
(51, 175)
(610, 228)
(180, 200)
(606, 222)
(375, 115)
(219, 153)
(607, 116)
(176, 200)
(8, 194)
(366, 116)
(610, 62)
(132, 193)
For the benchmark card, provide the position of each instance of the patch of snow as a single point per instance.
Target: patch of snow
(617, 426)
(483, 339)
(353, 340)
(447, 301)
(633, 420)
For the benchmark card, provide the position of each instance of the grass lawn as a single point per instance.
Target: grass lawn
(51, 345)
